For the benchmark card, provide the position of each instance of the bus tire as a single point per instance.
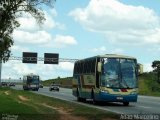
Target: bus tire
(93, 98)
(24, 88)
(125, 103)
(79, 99)
(77, 93)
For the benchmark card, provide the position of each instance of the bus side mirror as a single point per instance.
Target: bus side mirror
(99, 69)
(140, 69)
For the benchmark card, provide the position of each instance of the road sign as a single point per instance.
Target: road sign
(51, 58)
(29, 57)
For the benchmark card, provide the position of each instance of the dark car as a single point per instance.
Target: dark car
(54, 87)
(40, 86)
(11, 84)
(4, 84)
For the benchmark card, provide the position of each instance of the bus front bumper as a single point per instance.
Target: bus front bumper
(102, 96)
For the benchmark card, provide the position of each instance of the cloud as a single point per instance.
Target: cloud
(120, 23)
(29, 23)
(22, 69)
(147, 67)
(66, 66)
(17, 48)
(53, 12)
(118, 51)
(30, 32)
(43, 38)
(103, 50)
(61, 41)
(15, 69)
(100, 49)
(39, 37)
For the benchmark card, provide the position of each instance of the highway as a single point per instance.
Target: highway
(145, 104)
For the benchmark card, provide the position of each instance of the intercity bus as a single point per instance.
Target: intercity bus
(107, 78)
(31, 82)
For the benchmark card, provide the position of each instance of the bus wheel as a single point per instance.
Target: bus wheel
(25, 89)
(78, 98)
(93, 98)
(125, 103)
(81, 99)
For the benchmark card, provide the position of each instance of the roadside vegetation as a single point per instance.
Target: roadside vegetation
(31, 106)
(64, 82)
(148, 83)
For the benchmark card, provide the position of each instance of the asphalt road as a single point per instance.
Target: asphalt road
(145, 104)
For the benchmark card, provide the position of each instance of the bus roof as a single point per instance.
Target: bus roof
(116, 56)
(109, 56)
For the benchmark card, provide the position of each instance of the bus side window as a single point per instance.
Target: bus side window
(78, 67)
(75, 68)
(81, 68)
(92, 66)
(89, 66)
(84, 67)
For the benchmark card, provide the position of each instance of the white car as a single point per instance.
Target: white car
(54, 87)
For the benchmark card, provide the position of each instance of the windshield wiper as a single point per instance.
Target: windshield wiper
(127, 86)
(125, 83)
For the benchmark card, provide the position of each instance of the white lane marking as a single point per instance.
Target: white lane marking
(144, 107)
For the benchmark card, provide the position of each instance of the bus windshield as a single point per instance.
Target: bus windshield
(33, 79)
(119, 73)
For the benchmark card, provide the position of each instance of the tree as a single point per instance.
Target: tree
(156, 66)
(58, 78)
(10, 10)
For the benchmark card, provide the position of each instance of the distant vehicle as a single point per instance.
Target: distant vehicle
(11, 84)
(40, 86)
(31, 82)
(108, 78)
(54, 87)
(4, 84)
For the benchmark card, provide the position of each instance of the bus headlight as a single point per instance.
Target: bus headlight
(104, 91)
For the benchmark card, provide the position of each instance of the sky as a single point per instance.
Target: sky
(78, 29)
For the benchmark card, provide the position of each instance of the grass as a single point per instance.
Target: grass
(39, 107)
(11, 104)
